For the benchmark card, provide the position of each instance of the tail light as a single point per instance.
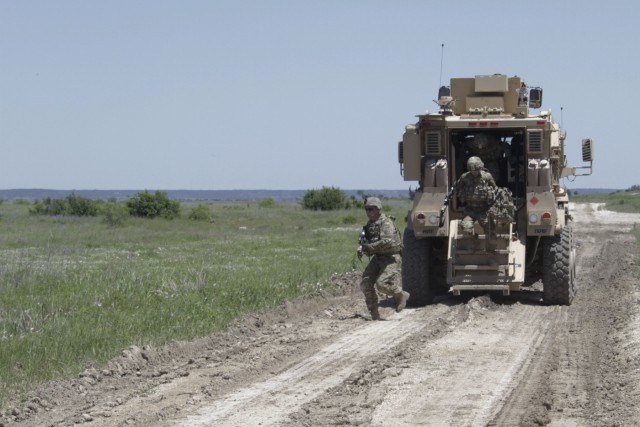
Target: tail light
(536, 218)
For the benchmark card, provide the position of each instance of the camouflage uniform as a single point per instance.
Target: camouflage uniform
(384, 269)
(478, 193)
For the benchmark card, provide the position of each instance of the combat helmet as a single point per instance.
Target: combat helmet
(373, 202)
(474, 163)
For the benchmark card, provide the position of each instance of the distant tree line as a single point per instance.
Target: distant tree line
(144, 205)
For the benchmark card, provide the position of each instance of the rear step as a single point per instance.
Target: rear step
(456, 289)
(475, 251)
(474, 267)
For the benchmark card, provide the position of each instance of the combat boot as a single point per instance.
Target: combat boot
(375, 315)
(401, 299)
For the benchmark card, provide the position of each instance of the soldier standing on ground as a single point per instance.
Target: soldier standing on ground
(476, 189)
(384, 246)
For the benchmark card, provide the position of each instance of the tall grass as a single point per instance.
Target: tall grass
(76, 291)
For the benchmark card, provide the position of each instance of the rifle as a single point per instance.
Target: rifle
(445, 204)
(362, 241)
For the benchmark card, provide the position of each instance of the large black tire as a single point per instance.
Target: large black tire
(415, 269)
(438, 265)
(558, 263)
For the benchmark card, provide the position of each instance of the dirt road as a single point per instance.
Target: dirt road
(460, 362)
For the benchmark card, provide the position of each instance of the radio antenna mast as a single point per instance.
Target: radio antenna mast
(441, 61)
(444, 93)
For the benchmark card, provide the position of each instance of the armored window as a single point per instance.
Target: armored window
(534, 141)
(432, 142)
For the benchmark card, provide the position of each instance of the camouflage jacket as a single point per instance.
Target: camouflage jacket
(383, 237)
(476, 191)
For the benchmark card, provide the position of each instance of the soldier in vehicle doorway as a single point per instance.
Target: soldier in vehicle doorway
(489, 148)
(476, 189)
(384, 246)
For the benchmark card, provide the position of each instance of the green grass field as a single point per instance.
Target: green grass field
(75, 292)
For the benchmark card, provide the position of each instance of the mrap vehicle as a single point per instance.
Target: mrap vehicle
(489, 116)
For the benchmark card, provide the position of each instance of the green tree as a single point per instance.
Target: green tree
(81, 206)
(145, 205)
(325, 199)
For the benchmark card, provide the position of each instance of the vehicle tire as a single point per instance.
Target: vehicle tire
(415, 269)
(438, 265)
(558, 274)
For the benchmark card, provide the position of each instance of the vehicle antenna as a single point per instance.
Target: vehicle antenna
(441, 61)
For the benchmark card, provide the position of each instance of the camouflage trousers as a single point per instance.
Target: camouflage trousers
(383, 272)
(475, 214)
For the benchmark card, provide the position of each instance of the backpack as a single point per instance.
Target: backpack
(503, 209)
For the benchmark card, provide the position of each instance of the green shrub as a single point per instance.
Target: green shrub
(267, 203)
(49, 206)
(73, 205)
(115, 214)
(325, 199)
(81, 206)
(145, 205)
(200, 212)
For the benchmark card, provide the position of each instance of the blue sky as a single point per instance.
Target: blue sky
(241, 94)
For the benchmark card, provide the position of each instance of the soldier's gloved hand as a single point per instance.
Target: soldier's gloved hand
(366, 249)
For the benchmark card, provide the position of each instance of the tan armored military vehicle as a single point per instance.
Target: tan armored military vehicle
(528, 236)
